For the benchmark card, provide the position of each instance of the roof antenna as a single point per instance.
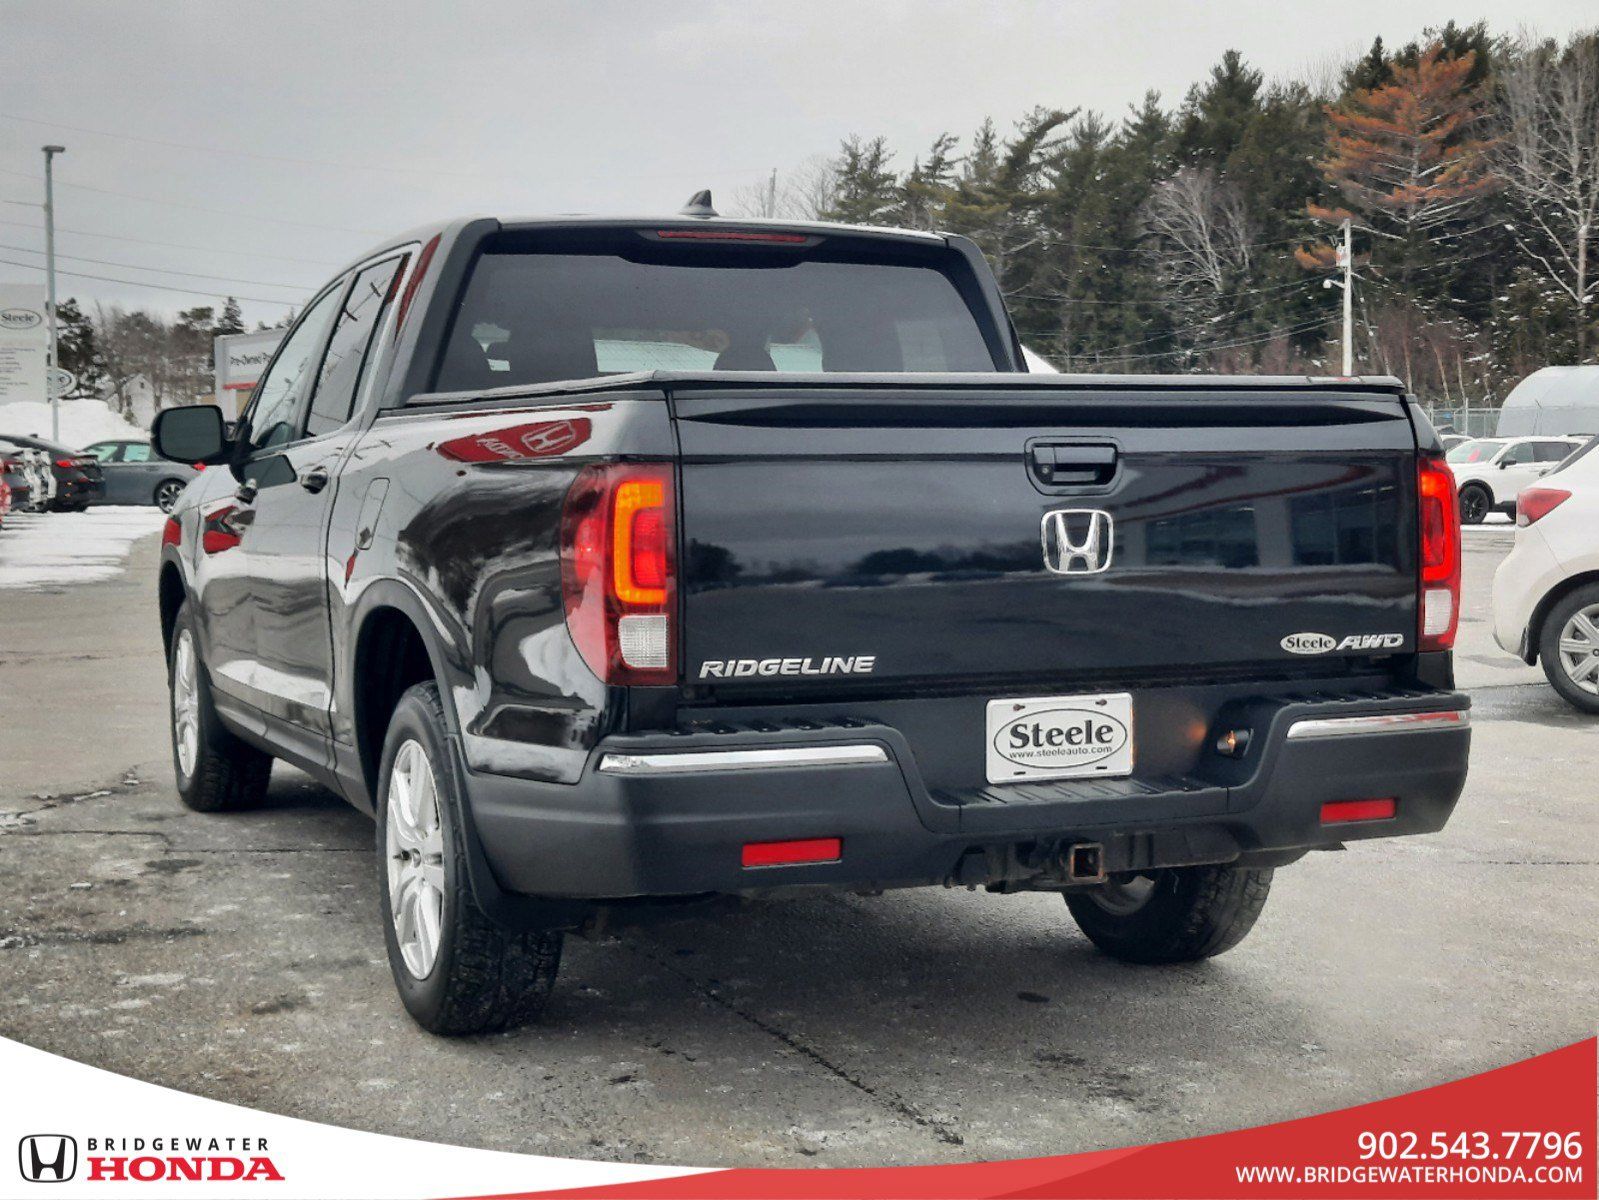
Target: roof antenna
(699, 205)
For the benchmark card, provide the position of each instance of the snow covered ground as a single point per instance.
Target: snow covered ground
(51, 549)
(82, 422)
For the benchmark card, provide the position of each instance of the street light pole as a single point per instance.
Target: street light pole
(50, 274)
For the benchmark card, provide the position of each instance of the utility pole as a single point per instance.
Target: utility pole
(771, 195)
(1348, 257)
(50, 274)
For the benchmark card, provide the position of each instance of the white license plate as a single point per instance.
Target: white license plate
(1060, 737)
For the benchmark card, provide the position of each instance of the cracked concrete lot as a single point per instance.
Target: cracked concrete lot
(241, 957)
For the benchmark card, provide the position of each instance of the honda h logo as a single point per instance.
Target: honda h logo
(47, 1157)
(1077, 541)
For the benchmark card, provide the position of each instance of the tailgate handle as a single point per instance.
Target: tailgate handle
(1064, 464)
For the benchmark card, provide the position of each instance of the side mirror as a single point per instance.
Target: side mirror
(194, 433)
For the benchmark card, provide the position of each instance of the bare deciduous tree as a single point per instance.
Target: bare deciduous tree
(804, 193)
(1549, 161)
(1200, 239)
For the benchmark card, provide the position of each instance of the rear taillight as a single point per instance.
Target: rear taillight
(1439, 506)
(1536, 502)
(172, 533)
(66, 463)
(618, 571)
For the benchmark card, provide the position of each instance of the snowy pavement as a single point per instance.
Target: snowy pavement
(40, 550)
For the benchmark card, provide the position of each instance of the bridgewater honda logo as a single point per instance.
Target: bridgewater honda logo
(53, 1158)
(1077, 541)
(47, 1157)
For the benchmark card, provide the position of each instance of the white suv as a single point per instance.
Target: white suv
(1490, 471)
(1546, 592)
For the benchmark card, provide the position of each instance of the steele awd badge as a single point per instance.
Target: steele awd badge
(1321, 643)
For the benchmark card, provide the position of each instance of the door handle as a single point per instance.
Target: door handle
(315, 479)
(1071, 464)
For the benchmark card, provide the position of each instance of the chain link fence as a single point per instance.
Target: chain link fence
(1471, 420)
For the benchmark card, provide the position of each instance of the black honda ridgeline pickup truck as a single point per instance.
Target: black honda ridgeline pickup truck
(618, 564)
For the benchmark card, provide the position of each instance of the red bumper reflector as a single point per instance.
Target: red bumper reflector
(1336, 812)
(786, 854)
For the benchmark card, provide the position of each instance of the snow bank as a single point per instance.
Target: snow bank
(82, 422)
(1037, 364)
(47, 549)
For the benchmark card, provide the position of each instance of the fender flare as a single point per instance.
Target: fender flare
(435, 629)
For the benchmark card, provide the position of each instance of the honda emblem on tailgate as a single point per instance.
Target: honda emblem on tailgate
(1077, 541)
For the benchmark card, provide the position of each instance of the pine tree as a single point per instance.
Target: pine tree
(868, 191)
(76, 349)
(232, 319)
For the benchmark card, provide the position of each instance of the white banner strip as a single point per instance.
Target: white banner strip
(102, 1134)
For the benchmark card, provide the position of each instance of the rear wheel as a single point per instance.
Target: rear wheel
(1568, 647)
(456, 971)
(215, 770)
(1474, 504)
(166, 493)
(1171, 915)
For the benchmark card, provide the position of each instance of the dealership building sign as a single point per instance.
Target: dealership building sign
(240, 360)
(24, 342)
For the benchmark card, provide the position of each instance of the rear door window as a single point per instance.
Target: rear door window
(535, 316)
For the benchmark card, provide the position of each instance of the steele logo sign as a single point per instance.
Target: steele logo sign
(47, 1157)
(20, 318)
(1321, 643)
(1060, 737)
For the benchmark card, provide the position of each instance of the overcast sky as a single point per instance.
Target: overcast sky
(365, 118)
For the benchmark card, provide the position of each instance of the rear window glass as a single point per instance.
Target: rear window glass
(542, 316)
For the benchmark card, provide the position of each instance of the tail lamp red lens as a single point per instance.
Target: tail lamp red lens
(1536, 502)
(172, 532)
(793, 853)
(618, 571)
(1439, 505)
(1342, 812)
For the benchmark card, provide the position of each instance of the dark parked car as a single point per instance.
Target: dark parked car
(77, 475)
(14, 473)
(136, 474)
(846, 599)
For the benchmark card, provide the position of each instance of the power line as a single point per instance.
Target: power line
(342, 166)
(235, 153)
(117, 237)
(1273, 335)
(1065, 299)
(102, 262)
(220, 212)
(1193, 327)
(153, 286)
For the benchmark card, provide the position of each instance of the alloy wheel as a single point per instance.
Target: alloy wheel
(414, 849)
(186, 702)
(167, 495)
(1579, 648)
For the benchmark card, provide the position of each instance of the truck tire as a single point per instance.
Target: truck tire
(1569, 661)
(216, 772)
(1173, 915)
(456, 971)
(1476, 502)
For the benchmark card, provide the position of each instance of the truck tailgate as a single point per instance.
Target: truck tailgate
(852, 535)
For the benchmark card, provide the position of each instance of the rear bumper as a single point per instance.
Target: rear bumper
(669, 814)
